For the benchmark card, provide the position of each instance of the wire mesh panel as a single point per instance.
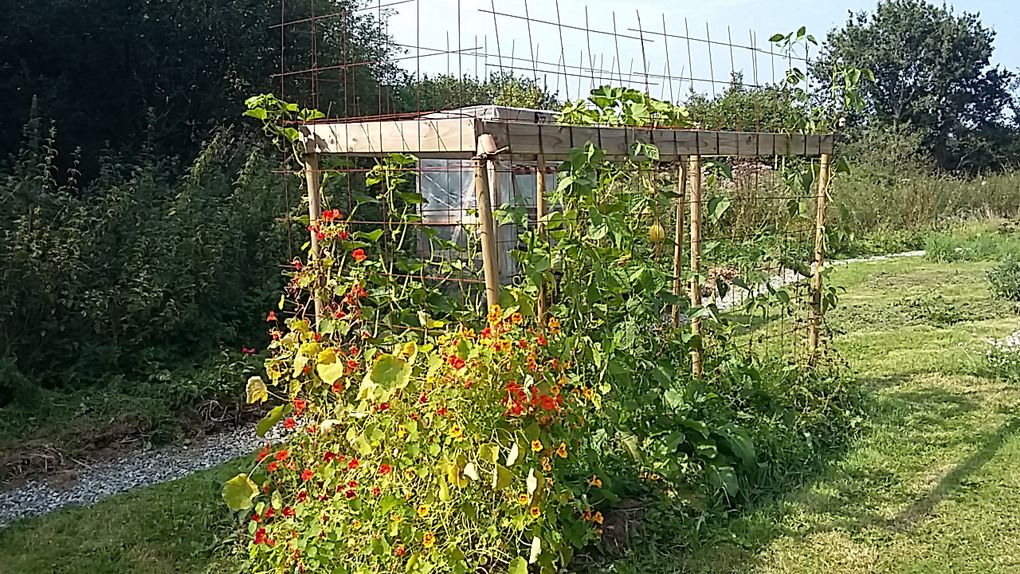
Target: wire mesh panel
(700, 130)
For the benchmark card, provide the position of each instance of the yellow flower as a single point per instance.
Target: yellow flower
(598, 519)
(495, 314)
(535, 512)
(410, 474)
(588, 393)
(536, 446)
(523, 499)
(397, 518)
(595, 481)
(561, 451)
(546, 465)
(517, 318)
(467, 333)
(423, 510)
(356, 524)
(428, 540)
(456, 432)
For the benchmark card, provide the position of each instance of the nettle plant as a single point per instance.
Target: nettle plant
(415, 444)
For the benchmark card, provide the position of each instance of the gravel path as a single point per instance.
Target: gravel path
(147, 468)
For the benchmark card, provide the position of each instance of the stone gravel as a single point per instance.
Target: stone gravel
(146, 468)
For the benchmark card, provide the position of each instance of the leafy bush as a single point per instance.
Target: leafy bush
(138, 270)
(1005, 279)
(447, 451)
(932, 308)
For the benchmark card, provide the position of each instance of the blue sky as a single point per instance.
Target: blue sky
(468, 27)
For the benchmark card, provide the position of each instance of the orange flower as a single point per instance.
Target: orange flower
(598, 519)
(428, 540)
(554, 325)
(516, 318)
(595, 481)
(546, 465)
(359, 255)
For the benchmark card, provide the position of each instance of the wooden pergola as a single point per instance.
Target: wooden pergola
(482, 140)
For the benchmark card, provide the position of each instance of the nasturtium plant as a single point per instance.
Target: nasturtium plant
(441, 447)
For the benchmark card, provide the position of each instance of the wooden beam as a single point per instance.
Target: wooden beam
(557, 140)
(439, 138)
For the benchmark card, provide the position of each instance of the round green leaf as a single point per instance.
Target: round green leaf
(239, 492)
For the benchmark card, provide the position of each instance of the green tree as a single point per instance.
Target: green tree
(98, 68)
(445, 91)
(933, 73)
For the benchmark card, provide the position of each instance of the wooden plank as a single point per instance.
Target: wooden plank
(439, 138)
(556, 141)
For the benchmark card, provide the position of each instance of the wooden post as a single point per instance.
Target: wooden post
(487, 227)
(697, 360)
(678, 238)
(314, 185)
(540, 215)
(816, 278)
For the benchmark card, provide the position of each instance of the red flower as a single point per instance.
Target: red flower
(541, 340)
(385, 469)
(272, 466)
(311, 429)
(261, 537)
(271, 317)
(263, 454)
(343, 236)
(281, 455)
(353, 464)
(302, 495)
(400, 551)
(546, 403)
(441, 411)
(352, 365)
(340, 314)
(299, 405)
(424, 399)
(330, 214)
(256, 518)
(353, 484)
(307, 474)
(382, 407)
(290, 423)
(269, 513)
(247, 351)
(338, 387)
(349, 493)
(330, 456)
(288, 511)
(354, 349)
(376, 492)
(359, 255)
(297, 264)
(456, 362)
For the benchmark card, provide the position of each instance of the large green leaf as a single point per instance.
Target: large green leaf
(390, 372)
(270, 420)
(331, 372)
(239, 492)
(518, 566)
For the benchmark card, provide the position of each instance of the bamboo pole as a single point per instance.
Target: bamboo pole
(697, 360)
(816, 279)
(314, 184)
(490, 265)
(678, 239)
(540, 216)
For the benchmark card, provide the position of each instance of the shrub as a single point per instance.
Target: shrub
(445, 451)
(1005, 279)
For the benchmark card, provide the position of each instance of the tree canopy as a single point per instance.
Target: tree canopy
(933, 73)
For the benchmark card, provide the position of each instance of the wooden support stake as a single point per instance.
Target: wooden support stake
(816, 278)
(697, 361)
(678, 239)
(540, 215)
(314, 185)
(487, 227)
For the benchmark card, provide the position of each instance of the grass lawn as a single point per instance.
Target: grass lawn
(933, 486)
